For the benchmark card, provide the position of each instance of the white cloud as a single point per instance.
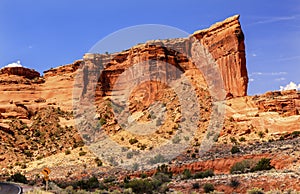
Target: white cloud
(266, 20)
(290, 86)
(14, 64)
(251, 80)
(280, 79)
(269, 73)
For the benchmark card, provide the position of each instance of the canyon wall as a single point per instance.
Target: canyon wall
(153, 59)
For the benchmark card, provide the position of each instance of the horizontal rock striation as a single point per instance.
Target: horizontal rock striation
(20, 71)
(286, 103)
(224, 41)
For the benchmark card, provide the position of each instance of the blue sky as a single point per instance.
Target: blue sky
(49, 33)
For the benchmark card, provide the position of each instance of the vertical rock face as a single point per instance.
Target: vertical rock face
(224, 41)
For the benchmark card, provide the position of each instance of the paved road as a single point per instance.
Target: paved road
(8, 188)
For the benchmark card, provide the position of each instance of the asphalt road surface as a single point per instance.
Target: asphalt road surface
(8, 188)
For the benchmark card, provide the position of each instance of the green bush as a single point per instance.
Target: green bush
(233, 140)
(157, 159)
(242, 139)
(141, 186)
(89, 184)
(186, 174)
(235, 149)
(28, 153)
(176, 140)
(204, 174)
(234, 183)
(261, 134)
(18, 178)
(251, 166)
(98, 162)
(208, 187)
(242, 167)
(129, 155)
(195, 186)
(67, 152)
(164, 169)
(133, 141)
(162, 177)
(263, 164)
(102, 121)
(82, 153)
(295, 134)
(109, 179)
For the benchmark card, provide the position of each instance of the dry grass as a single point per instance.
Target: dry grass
(38, 191)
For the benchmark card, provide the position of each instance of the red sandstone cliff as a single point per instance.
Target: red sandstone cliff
(20, 71)
(224, 41)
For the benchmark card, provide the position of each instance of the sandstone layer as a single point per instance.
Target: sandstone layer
(166, 60)
(20, 71)
(37, 125)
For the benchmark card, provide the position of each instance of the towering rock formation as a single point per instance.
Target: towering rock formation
(224, 41)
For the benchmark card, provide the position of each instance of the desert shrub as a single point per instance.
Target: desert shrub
(186, 174)
(39, 157)
(261, 134)
(126, 179)
(98, 162)
(235, 149)
(89, 184)
(233, 140)
(195, 186)
(109, 179)
(141, 186)
(143, 175)
(67, 152)
(204, 174)
(135, 166)
(251, 166)
(162, 177)
(242, 139)
(176, 140)
(208, 187)
(82, 153)
(234, 183)
(133, 141)
(112, 161)
(242, 167)
(193, 155)
(18, 178)
(164, 169)
(157, 159)
(255, 191)
(295, 134)
(102, 121)
(79, 144)
(28, 153)
(263, 164)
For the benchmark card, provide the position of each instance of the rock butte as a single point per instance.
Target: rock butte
(30, 104)
(224, 41)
